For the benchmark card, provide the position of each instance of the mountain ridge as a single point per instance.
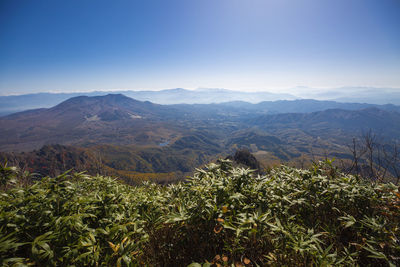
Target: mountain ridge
(110, 118)
(16, 103)
(118, 119)
(135, 136)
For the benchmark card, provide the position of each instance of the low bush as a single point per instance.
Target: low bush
(221, 216)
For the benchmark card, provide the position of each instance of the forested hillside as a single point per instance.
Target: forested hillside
(134, 140)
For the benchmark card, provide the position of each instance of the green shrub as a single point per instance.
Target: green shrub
(223, 215)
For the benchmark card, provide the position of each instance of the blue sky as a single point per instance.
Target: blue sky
(82, 45)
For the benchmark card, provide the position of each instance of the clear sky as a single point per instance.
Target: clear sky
(81, 45)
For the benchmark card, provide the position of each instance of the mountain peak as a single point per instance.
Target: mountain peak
(115, 96)
(116, 99)
(109, 99)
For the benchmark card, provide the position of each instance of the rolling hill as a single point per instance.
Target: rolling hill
(131, 136)
(328, 122)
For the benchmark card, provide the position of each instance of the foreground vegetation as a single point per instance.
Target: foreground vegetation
(222, 216)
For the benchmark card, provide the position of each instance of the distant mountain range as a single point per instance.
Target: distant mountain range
(380, 96)
(118, 119)
(16, 103)
(332, 122)
(345, 98)
(371, 95)
(139, 136)
(291, 106)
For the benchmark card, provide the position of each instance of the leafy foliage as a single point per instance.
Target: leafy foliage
(222, 216)
(131, 164)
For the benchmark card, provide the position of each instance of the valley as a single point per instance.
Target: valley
(135, 140)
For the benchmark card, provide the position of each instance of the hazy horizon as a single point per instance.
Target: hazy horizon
(298, 91)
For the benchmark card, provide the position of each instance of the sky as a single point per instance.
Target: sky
(248, 45)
